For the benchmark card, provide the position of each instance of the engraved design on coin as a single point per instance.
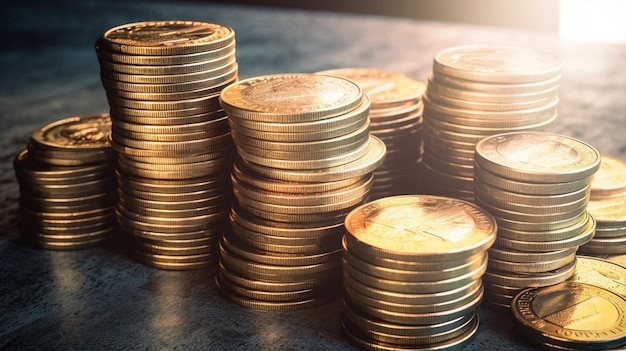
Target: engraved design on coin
(166, 33)
(538, 154)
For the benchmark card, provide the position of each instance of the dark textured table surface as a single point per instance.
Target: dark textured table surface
(99, 298)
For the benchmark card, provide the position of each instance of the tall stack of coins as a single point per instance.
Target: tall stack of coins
(395, 118)
(412, 272)
(537, 186)
(305, 160)
(67, 184)
(162, 81)
(607, 204)
(479, 91)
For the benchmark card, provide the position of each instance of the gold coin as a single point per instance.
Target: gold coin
(409, 318)
(496, 88)
(422, 228)
(80, 133)
(276, 306)
(414, 287)
(233, 244)
(610, 179)
(413, 275)
(129, 90)
(374, 156)
(496, 64)
(601, 273)
(167, 60)
(525, 280)
(543, 265)
(358, 116)
(295, 97)
(537, 157)
(610, 212)
(509, 185)
(366, 343)
(449, 89)
(166, 68)
(385, 88)
(572, 314)
(170, 78)
(285, 229)
(165, 38)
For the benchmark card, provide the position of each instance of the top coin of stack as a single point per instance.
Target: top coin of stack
(396, 118)
(607, 204)
(305, 159)
(479, 91)
(536, 185)
(162, 80)
(66, 183)
(412, 272)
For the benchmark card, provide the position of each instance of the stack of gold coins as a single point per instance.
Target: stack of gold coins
(607, 204)
(305, 160)
(395, 118)
(162, 81)
(572, 315)
(479, 91)
(536, 185)
(67, 184)
(412, 272)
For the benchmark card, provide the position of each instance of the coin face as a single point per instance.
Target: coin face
(383, 87)
(496, 64)
(537, 157)
(573, 314)
(167, 37)
(602, 273)
(81, 132)
(295, 97)
(428, 226)
(610, 179)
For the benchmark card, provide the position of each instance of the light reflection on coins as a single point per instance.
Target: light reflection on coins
(412, 262)
(476, 92)
(305, 158)
(531, 219)
(66, 184)
(162, 80)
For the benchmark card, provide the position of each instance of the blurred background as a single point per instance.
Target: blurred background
(595, 21)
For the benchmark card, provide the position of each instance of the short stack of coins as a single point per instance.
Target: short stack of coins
(607, 205)
(305, 160)
(413, 269)
(536, 185)
(396, 119)
(479, 91)
(162, 80)
(67, 184)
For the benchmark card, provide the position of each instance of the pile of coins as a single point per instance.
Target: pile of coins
(478, 91)
(305, 160)
(412, 272)
(67, 184)
(537, 186)
(607, 205)
(162, 81)
(583, 313)
(396, 119)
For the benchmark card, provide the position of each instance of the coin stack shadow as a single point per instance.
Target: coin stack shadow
(412, 272)
(536, 185)
(478, 91)
(396, 119)
(607, 205)
(305, 160)
(162, 81)
(67, 184)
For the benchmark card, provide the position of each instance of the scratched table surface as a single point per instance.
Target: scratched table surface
(100, 298)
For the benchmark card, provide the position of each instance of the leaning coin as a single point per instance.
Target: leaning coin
(572, 314)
